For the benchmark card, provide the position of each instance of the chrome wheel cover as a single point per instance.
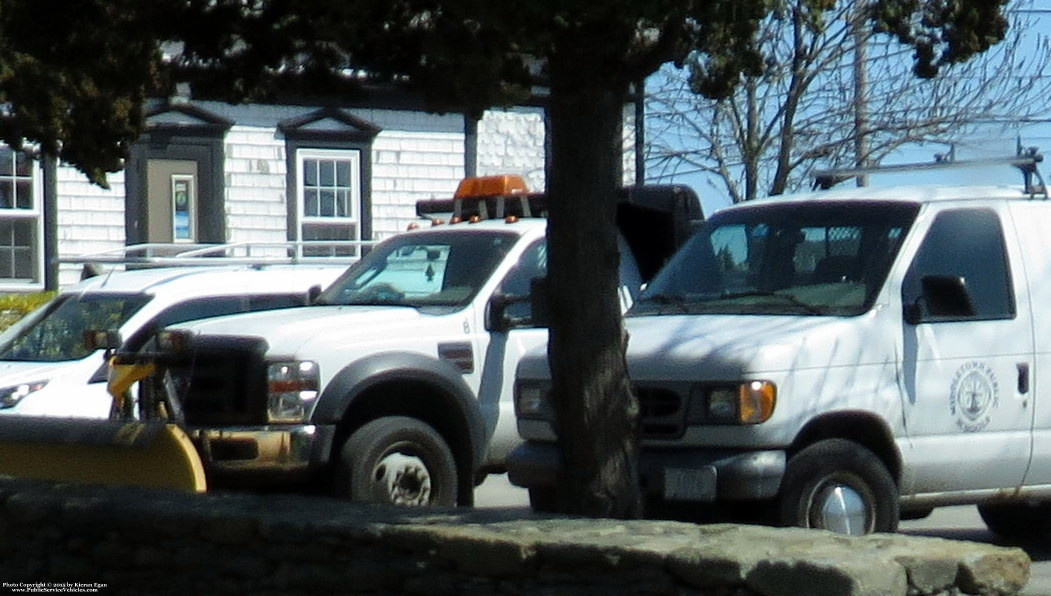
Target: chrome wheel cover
(839, 507)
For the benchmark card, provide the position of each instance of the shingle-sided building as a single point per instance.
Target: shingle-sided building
(211, 172)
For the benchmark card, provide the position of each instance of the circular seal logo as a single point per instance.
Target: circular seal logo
(974, 393)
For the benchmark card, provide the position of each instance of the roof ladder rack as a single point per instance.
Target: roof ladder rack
(1025, 160)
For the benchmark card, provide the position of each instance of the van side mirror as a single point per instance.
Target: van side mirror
(943, 297)
(538, 301)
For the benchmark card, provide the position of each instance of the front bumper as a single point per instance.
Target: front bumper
(690, 474)
(271, 456)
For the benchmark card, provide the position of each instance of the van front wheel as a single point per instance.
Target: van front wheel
(840, 486)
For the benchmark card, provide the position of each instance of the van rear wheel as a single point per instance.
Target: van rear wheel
(840, 486)
(1017, 521)
(397, 460)
(543, 500)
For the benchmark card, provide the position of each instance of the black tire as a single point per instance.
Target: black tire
(543, 500)
(843, 476)
(397, 460)
(1017, 521)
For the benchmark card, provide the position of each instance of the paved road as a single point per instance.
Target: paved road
(957, 523)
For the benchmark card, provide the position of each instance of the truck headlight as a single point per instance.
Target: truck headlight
(532, 400)
(751, 402)
(292, 388)
(11, 395)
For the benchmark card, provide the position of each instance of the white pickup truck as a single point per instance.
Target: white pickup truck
(395, 385)
(839, 360)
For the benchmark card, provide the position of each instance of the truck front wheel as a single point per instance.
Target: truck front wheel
(840, 486)
(399, 461)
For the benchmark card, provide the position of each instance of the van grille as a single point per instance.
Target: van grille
(661, 412)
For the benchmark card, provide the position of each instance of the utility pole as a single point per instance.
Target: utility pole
(861, 148)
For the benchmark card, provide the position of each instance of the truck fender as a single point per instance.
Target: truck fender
(357, 378)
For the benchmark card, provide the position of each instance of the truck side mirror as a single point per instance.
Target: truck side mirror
(499, 317)
(942, 297)
(509, 311)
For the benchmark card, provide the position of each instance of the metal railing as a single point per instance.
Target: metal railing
(232, 253)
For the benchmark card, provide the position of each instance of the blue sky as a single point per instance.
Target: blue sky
(993, 141)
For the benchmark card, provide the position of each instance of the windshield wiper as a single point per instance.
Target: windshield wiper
(809, 308)
(657, 301)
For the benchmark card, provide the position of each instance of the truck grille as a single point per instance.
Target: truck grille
(661, 412)
(224, 384)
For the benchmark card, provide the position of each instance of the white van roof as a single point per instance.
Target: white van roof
(912, 194)
(210, 280)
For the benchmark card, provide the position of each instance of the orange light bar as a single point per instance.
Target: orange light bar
(491, 186)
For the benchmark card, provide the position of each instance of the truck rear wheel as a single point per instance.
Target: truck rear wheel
(840, 486)
(1017, 521)
(399, 461)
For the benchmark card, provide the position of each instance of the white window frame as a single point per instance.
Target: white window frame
(32, 214)
(353, 217)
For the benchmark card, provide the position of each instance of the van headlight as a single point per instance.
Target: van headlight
(292, 388)
(533, 400)
(750, 402)
(11, 395)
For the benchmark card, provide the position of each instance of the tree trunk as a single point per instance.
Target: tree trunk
(594, 405)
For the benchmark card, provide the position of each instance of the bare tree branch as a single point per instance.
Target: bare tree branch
(798, 115)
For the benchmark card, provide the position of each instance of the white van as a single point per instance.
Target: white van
(46, 368)
(841, 359)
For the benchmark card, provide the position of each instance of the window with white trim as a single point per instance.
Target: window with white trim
(20, 220)
(329, 194)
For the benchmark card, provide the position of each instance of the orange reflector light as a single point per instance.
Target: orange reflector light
(491, 186)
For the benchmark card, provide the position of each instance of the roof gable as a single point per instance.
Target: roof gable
(329, 123)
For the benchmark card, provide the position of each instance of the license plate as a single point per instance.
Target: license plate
(689, 484)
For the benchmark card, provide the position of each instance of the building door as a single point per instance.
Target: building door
(174, 178)
(171, 200)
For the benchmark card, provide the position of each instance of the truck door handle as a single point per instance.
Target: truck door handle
(1023, 377)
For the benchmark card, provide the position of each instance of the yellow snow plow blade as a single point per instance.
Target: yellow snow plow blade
(121, 451)
(133, 453)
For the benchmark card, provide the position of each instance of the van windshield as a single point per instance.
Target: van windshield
(55, 332)
(776, 259)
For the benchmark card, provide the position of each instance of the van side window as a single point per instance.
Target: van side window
(963, 250)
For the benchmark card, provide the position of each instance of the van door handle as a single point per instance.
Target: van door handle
(1023, 377)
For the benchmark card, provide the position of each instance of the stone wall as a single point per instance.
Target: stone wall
(74, 539)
